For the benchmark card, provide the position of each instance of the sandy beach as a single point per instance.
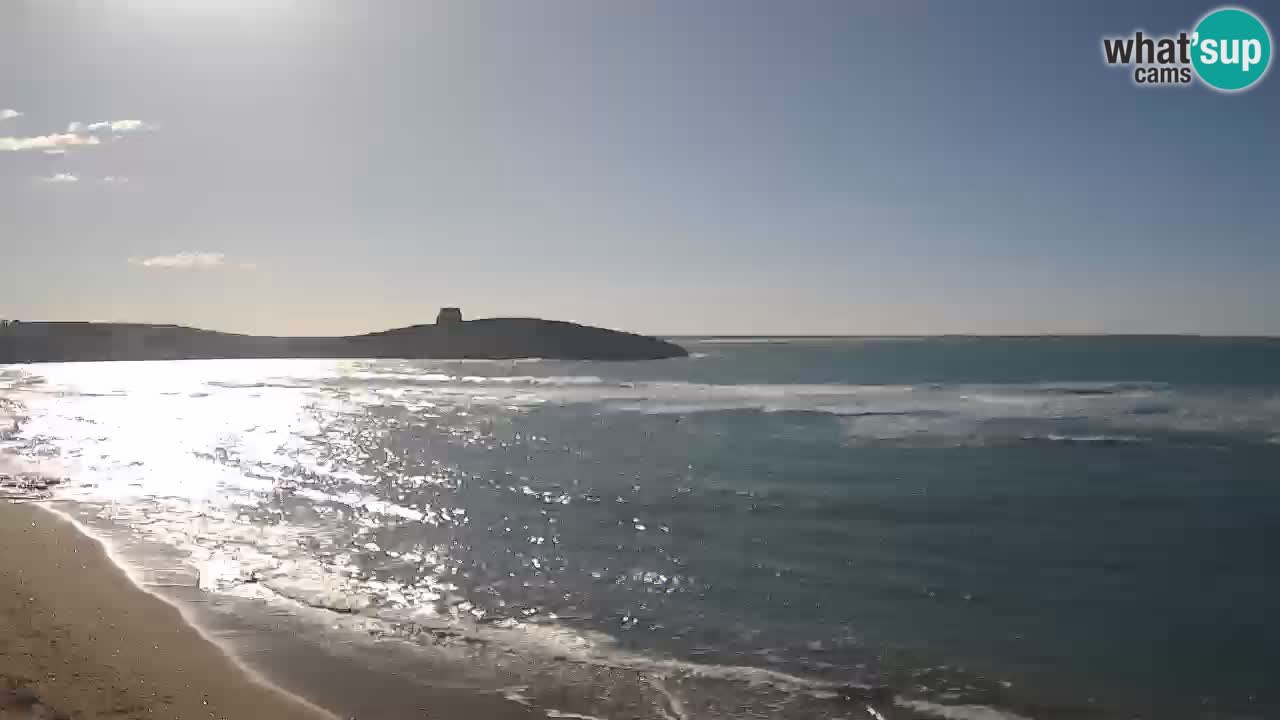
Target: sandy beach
(79, 640)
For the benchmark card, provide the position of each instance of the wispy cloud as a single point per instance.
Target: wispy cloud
(46, 142)
(183, 261)
(77, 134)
(60, 179)
(118, 126)
(115, 180)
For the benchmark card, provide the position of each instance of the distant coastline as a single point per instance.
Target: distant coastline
(448, 338)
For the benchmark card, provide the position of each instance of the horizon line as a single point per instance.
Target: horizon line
(736, 335)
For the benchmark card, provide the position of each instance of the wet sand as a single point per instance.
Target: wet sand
(79, 640)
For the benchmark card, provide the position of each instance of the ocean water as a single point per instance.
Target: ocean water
(859, 527)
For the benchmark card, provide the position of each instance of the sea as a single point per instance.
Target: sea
(965, 528)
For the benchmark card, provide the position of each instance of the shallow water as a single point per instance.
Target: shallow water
(1052, 528)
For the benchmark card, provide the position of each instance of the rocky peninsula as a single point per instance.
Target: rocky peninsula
(450, 337)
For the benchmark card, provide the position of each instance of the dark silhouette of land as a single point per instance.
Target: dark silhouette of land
(493, 338)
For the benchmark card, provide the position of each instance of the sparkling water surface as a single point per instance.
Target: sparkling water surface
(1037, 528)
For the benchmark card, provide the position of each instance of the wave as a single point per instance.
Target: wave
(1125, 409)
(553, 380)
(255, 562)
(676, 683)
(553, 713)
(742, 340)
(958, 712)
(1117, 413)
(1089, 439)
(1096, 413)
(430, 379)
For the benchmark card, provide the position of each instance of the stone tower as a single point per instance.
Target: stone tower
(449, 316)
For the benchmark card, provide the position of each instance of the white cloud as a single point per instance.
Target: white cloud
(119, 126)
(46, 142)
(183, 261)
(130, 126)
(61, 178)
(115, 180)
(77, 133)
(55, 151)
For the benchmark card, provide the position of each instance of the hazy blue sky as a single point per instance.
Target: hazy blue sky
(315, 166)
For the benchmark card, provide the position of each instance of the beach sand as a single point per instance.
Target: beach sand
(79, 640)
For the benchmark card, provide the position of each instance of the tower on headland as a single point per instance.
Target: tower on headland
(449, 316)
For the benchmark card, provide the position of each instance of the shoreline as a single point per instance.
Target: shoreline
(83, 635)
(79, 638)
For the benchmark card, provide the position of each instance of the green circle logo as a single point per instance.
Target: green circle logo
(1231, 49)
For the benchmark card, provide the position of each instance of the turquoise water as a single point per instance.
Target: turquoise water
(1043, 528)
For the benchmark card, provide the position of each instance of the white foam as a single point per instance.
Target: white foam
(13, 464)
(135, 576)
(675, 708)
(959, 712)
(569, 715)
(1118, 411)
(516, 695)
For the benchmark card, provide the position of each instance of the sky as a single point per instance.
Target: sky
(673, 167)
